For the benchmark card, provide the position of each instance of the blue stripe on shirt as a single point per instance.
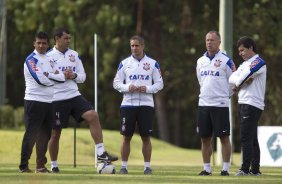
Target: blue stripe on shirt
(120, 66)
(231, 65)
(254, 67)
(157, 65)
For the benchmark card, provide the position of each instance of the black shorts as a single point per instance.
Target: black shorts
(213, 121)
(142, 116)
(63, 109)
(37, 114)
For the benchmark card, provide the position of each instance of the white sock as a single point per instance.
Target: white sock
(146, 164)
(100, 148)
(225, 166)
(54, 164)
(207, 167)
(124, 164)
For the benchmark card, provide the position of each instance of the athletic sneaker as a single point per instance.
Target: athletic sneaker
(205, 173)
(123, 170)
(42, 170)
(55, 170)
(252, 173)
(106, 157)
(148, 170)
(241, 173)
(224, 173)
(26, 170)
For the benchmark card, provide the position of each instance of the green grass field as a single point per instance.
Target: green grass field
(170, 164)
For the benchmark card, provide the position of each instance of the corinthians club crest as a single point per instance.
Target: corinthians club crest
(52, 62)
(146, 66)
(217, 63)
(72, 58)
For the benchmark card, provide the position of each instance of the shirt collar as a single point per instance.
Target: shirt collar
(210, 57)
(253, 58)
(60, 51)
(37, 53)
(140, 58)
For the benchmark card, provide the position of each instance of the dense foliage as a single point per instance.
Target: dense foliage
(174, 33)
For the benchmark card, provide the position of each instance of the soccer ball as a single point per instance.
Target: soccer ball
(106, 168)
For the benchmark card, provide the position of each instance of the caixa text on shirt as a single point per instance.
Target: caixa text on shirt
(209, 72)
(139, 77)
(63, 68)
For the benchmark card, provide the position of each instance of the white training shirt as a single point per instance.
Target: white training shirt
(213, 74)
(144, 72)
(253, 93)
(67, 60)
(38, 86)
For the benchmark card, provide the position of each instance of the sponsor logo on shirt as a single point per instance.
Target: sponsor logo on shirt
(33, 65)
(139, 77)
(209, 72)
(63, 68)
(254, 63)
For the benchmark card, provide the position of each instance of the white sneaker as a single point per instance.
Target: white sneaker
(241, 173)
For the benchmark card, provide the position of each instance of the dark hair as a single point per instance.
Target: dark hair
(215, 32)
(139, 38)
(59, 32)
(247, 42)
(42, 35)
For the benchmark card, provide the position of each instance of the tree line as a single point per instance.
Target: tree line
(174, 33)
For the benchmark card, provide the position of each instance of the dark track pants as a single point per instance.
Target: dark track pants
(249, 117)
(38, 118)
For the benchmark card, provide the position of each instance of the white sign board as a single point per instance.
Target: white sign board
(270, 142)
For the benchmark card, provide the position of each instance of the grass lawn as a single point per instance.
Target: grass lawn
(170, 164)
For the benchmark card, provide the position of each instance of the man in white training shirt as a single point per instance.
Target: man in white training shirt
(249, 81)
(213, 71)
(68, 100)
(40, 75)
(138, 78)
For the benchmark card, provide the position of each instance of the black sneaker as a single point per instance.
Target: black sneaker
(148, 170)
(205, 173)
(224, 173)
(26, 170)
(123, 170)
(55, 170)
(106, 157)
(42, 170)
